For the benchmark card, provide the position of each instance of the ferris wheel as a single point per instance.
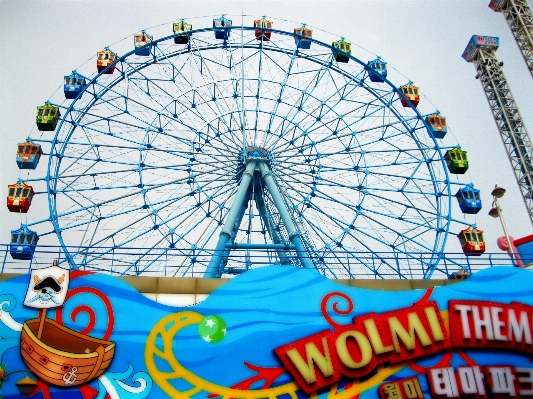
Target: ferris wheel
(211, 151)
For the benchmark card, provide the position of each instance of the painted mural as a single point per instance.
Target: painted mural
(274, 332)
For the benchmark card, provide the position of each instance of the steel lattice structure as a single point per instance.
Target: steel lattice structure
(481, 51)
(519, 17)
(218, 155)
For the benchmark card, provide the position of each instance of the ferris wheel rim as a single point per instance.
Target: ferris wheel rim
(118, 80)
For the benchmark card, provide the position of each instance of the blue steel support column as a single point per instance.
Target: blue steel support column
(238, 221)
(294, 234)
(261, 207)
(214, 264)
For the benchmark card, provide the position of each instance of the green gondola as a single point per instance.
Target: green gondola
(181, 30)
(457, 161)
(47, 117)
(342, 50)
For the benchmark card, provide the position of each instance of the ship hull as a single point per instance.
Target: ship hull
(61, 356)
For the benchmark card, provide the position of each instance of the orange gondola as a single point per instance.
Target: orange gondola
(472, 241)
(438, 125)
(19, 196)
(28, 155)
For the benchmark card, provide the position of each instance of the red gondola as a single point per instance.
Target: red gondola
(472, 241)
(19, 196)
(412, 94)
(261, 25)
(105, 58)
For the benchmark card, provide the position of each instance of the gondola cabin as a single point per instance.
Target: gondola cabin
(302, 36)
(104, 59)
(377, 70)
(456, 160)
(222, 27)
(472, 241)
(47, 117)
(412, 94)
(142, 41)
(260, 26)
(28, 155)
(469, 199)
(181, 32)
(23, 243)
(19, 196)
(437, 125)
(74, 84)
(342, 50)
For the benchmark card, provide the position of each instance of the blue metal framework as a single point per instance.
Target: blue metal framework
(212, 146)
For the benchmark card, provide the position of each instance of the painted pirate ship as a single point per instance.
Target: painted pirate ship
(55, 353)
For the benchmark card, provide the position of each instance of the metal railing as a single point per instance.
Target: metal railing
(342, 264)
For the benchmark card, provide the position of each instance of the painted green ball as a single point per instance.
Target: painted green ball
(212, 328)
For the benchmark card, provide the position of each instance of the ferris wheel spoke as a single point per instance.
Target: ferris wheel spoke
(353, 254)
(282, 84)
(104, 98)
(322, 195)
(394, 245)
(329, 108)
(305, 96)
(205, 82)
(128, 195)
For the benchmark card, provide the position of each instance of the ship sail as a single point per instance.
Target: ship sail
(47, 287)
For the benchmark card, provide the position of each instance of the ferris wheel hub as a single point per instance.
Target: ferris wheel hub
(256, 152)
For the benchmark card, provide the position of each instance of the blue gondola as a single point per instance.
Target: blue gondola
(142, 41)
(302, 36)
(23, 243)
(438, 125)
(28, 155)
(73, 86)
(222, 27)
(469, 199)
(377, 70)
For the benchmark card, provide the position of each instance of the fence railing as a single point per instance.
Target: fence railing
(339, 264)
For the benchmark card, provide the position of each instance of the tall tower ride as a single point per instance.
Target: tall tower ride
(481, 51)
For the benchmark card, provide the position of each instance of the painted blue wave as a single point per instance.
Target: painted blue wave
(263, 309)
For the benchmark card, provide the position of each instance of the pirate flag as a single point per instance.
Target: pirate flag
(47, 288)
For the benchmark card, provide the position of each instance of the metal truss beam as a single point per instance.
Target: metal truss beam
(512, 130)
(519, 17)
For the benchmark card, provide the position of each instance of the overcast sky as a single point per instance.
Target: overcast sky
(422, 40)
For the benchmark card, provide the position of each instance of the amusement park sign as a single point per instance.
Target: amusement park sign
(401, 335)
(478, 41)
(271, 332)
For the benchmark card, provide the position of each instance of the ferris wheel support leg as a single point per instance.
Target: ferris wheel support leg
(261, 207)
(238, 221)
(294, 234)
(213, 268)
